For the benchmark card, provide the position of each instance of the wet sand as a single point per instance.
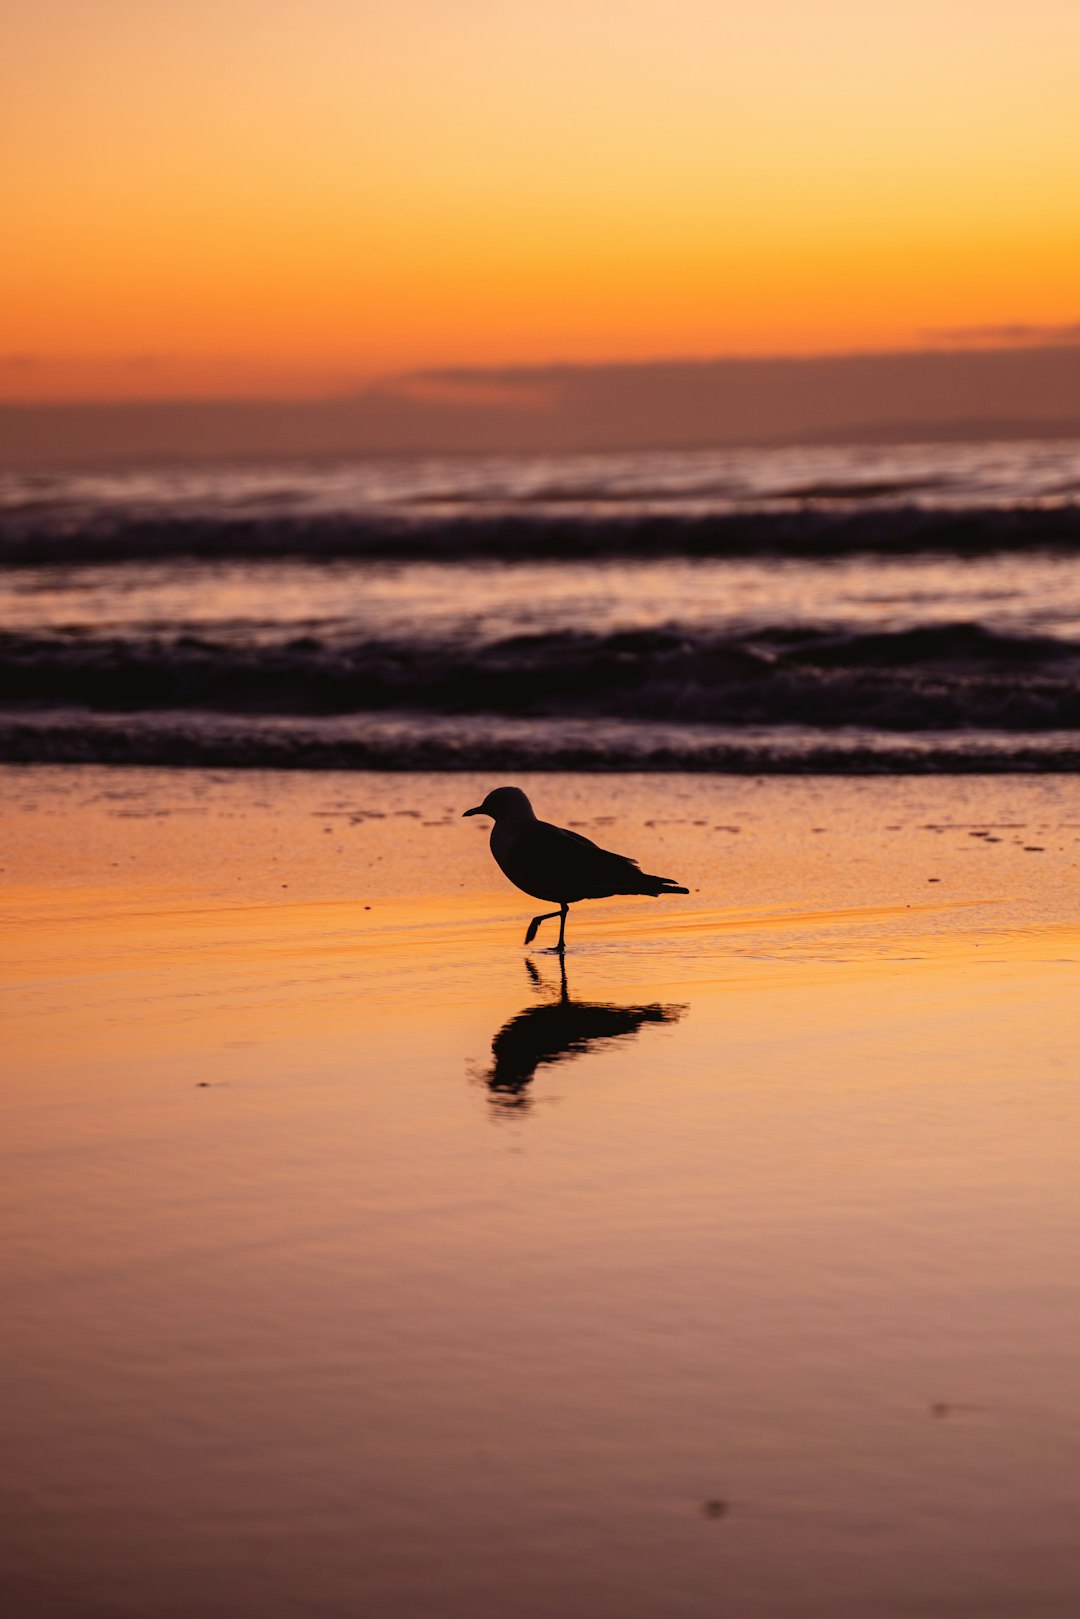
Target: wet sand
(351, 1267)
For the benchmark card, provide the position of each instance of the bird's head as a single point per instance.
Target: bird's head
(505, 804)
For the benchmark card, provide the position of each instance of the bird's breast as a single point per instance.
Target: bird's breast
(513, 857)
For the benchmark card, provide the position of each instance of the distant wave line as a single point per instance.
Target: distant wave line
(818, 529)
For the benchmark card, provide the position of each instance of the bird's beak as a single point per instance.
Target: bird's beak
(477, 811)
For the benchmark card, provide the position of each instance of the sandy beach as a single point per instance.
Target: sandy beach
(353, 1267)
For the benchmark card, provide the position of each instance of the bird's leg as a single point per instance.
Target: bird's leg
(535, 923)
(563, 913)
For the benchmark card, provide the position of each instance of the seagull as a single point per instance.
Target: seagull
(552, 863)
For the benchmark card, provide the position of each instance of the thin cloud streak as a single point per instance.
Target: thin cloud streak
(1024, 332)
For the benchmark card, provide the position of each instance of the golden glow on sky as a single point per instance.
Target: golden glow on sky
(221, 196)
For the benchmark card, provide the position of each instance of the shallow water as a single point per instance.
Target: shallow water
(352, 1267)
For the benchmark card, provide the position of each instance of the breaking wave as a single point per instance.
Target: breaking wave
(933, 677)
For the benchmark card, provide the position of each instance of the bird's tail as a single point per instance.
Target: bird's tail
(659, 885)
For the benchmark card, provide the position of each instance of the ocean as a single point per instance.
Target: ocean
(907, 608)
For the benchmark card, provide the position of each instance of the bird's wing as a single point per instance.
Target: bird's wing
(578, 867)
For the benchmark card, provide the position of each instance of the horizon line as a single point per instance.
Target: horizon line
(955, 343)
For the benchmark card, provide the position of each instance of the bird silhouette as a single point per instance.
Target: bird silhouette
(552, 863)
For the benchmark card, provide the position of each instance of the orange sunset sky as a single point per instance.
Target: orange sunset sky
(208, 197)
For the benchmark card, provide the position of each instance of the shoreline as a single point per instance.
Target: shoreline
(441, 745)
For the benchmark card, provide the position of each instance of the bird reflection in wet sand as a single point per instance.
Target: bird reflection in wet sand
(558, 1031)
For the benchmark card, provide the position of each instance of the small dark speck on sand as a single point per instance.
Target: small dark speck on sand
(202, 1084)
(714, 1509)
(933, 879)
(940, 1408)
(367, 907)
(1034, 848)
